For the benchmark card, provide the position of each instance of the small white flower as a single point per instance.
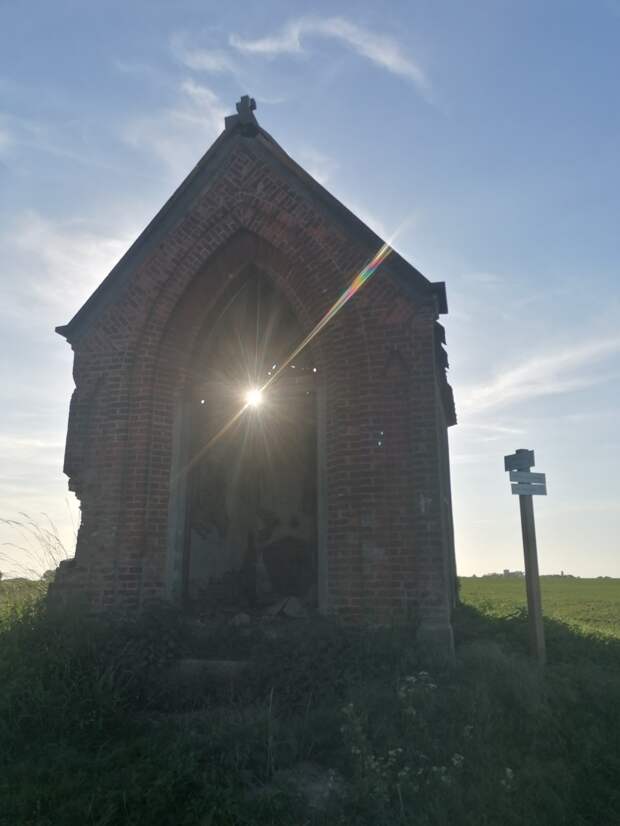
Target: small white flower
(507, 780)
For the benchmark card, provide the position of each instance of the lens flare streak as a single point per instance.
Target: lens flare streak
(358, 282)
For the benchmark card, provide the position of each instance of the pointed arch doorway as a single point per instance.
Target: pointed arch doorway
(251, 531)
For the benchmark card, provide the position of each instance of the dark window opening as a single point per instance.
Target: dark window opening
(251, 531)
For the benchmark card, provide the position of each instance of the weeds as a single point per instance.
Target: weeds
(37, 543)
(385, 736)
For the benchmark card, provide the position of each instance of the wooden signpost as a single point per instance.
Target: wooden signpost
(526, 484)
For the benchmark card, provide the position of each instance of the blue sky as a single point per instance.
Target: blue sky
(490, 128)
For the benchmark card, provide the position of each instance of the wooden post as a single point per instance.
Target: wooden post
(532, 581)
(526, 484)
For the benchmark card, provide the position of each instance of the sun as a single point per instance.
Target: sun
(254, 397)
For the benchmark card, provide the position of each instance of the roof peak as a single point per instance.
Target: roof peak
(238, 127)
(245, 117)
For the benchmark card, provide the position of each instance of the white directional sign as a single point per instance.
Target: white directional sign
(524, 489)
(525, 482)
(527, 476)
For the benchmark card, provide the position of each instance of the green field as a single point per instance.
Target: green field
(588, 606)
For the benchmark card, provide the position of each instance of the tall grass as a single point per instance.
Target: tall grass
(34, 553)
(37, 547)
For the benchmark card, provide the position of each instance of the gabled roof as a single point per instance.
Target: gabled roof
(242, 126)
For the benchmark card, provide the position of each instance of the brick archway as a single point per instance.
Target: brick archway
(172, 377)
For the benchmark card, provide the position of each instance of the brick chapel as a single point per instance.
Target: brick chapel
(334, 489)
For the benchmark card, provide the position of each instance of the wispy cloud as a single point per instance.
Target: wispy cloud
(16, 446)
(556, 372)
(49, 267)
(24, 138)
(143, 71)
(471, 458)
(47, 261)
(5, 141)
(576, 506)
(382, 50)
(590, 416)
(217, 61)
(481, 432)
(179, 134)
(319, 165)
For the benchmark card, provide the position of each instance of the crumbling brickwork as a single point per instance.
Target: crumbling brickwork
(386, 545)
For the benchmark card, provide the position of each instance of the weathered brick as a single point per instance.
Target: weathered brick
(389, 543)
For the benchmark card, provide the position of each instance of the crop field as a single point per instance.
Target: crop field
(586, 606)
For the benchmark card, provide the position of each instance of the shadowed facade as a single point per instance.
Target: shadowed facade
(336, 489)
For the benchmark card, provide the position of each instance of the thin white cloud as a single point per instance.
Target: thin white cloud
(15, 442)
(6, 141)
(576, 506)
(49, 267)
(382, 50)
(319, 165)
(471, 458)
(180, 134)
(557, 372)
(217, 61)
(47, 261)
(24, 138)
(144, 71)
(481, 433)
(494, 429)
(287, 41)
(590, 416)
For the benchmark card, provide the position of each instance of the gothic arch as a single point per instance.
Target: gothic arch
(190, 336)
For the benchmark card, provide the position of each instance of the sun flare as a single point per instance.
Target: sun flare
(254, 397)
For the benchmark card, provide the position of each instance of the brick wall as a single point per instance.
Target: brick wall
(385, 546)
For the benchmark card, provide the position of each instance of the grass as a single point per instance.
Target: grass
(588, 606)
(35, 545)
(16, 594)
(92, 735)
